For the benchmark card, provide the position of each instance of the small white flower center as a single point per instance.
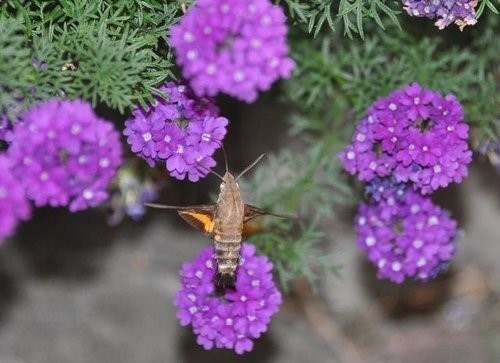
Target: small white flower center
(265, 20)
(274, 62)
(75, 129)
(239, 76)
(199, 274)
(88, 194)
(361, 137)
(82, 159)
(192, 54)
(433, 220)
(393, 107)
(256, 43)
(188, 37)
(206, 136)
(180, 149)
(211, 69)
(351, 155)
(418, 243)
(104, 162)
(396, 266)
(255, 283)
(370, 241)
(44, 175)
(147, 136)
(421, 262)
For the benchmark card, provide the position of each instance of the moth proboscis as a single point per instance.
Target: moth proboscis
(224, 221)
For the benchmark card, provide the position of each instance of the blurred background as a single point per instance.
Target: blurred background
(74, 289)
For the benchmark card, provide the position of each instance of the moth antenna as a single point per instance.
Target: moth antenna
(209, 170)
(250, 166)
(225, 157)
(161, 206)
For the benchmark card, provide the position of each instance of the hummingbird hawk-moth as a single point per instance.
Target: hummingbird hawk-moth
(224, 221)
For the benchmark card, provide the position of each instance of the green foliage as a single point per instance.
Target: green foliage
(109, 52)
(357, 73)
(15, 61)
(351, 15)
(310, 184)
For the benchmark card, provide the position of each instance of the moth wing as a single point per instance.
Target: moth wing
(200, 217)
(252, 211)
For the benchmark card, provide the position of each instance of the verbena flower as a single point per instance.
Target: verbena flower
(13, 203)
(4, 128)
(460, 12)
(232, 46)
(131, 194)
(405, 235)
(234, 319)
(416, 135)
(182, 132)
(63, 154)
(9, 113)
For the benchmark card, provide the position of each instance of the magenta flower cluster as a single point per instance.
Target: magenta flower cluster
(234, 47)
(64, 155)
(460, 12)
(14, 206)
(181, 131)
(403, 233)
(416, 135)
(411, 143)
(238, 316)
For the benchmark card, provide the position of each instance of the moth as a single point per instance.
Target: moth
(223, 221)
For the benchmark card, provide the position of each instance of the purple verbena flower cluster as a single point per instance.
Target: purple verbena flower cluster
(460, 12)
(181, 131)
(234, 319)
(411, 143)
(404, 234)
(64, 155)
(232, 46)
(416, 135)
(14, 205)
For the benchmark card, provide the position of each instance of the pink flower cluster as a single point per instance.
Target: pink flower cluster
(234, 47)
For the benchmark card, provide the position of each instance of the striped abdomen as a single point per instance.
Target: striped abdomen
(227, 231)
